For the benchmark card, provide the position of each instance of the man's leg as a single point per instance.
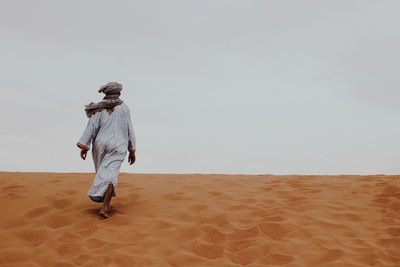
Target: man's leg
(105, 210)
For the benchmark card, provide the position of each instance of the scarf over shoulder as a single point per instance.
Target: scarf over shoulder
(112, 90)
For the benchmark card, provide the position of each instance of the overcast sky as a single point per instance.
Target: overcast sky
(282, 87)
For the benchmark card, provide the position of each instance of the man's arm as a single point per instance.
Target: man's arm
(87, 136)
(131, 135)
(131, 141)
(132, 157)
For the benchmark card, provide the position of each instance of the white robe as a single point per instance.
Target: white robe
(112, 135)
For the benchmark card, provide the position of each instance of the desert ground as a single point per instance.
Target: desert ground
(47, 219)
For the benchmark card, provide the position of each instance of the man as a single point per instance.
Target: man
(110, 131)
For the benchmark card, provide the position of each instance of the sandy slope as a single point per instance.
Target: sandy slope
(201, 220)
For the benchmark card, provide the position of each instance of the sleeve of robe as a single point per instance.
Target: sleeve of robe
(131, 134)
(90, 132)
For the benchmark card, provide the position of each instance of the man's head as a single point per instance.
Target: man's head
(112, 90)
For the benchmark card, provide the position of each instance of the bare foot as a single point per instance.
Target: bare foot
(104, 213)
(109, 210)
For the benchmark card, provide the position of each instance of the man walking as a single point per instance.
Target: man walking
(110, 132)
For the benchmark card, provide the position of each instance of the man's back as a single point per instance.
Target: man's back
(113, 128)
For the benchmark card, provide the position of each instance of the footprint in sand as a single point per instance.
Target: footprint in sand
(181, 259)
(61, 203)
(34, 213)
(125, 260)
(94, 243)
(328, 256)
(237, 207)
(236, 245)
(162, 225)
(175, 196)
(12, 196)
(55, 221)
(69, 250)
(267, 189)
(124, 185)
(389, 201)
(63, 264)
(185, 217)
(81, 259)
(132, 196)
(247, 255)
(348, 217)
(211, 234)
(381, 200)
(133, 236)
(11, 192)
(296, 200)
(14, 188)
(243, 234)
(209, 251)
(12, 256)
(86, 228)
(218, 220)
(273, 230)
(393, 231)
(14, 223)
(214, 193)
(314, 191)
(366, 179)
(188, 233)
(266, 215)
(278, 259)
(197, 207)
(247, 201)
(294, 184)
(69, 237)
(119, 219)
(389, 242)
(70, 192)
(33, 237)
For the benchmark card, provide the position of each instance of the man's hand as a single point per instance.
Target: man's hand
(84, 150)
(83, 153)
(132, 157)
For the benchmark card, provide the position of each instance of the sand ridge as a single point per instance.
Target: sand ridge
(201, 220)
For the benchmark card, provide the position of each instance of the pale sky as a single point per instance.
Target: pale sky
(281, 87)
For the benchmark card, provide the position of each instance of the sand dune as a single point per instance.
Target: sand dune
(201, 220)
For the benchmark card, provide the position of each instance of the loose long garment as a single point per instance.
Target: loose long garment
(112, 135)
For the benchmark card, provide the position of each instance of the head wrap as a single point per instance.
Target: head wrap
(112, 90)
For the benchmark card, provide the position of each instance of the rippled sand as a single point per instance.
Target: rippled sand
(201, 220)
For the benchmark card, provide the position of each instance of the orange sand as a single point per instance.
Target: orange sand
(201, 220)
